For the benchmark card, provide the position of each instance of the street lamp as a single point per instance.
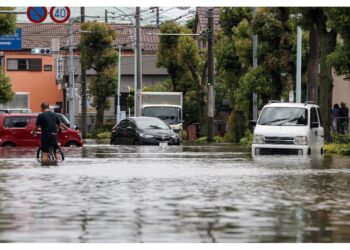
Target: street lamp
(135, 56)
(118, 113)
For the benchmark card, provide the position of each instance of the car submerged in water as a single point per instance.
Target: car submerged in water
(143, 131)
(288, 128)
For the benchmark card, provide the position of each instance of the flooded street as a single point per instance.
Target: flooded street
(173, 194)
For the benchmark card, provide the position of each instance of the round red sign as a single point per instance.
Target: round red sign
(36, 14)
(59, 14)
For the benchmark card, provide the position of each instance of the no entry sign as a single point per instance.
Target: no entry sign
(36, 14)
(59, 14)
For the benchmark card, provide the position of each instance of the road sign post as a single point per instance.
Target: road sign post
(36, 14)
(60, 14)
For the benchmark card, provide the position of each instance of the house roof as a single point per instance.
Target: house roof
(202, 18)
(40, 35)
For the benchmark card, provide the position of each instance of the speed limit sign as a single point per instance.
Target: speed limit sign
(59, 14)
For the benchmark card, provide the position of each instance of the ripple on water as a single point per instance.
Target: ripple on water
(173, 194)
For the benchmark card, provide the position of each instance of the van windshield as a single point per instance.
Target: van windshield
(284, 116)
(171, 115)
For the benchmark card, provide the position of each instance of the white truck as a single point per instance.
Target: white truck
(288, 128)
(167, 106)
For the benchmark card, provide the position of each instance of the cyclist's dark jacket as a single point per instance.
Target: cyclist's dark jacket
(48, 122)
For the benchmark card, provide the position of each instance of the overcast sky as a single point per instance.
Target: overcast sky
(115, 14)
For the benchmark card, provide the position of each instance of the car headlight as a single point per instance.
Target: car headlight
(146, 136)
(174, 136)
(258, 139)
(301, 140)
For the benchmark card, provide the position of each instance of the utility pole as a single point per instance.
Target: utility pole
(255, 64)
(106, 16)
(71, 74)
(138, 64)
(157, 14)
(158, 21)
(210, 135)
(83, 85)
(119, 81)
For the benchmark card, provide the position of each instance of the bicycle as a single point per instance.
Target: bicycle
(53, 151)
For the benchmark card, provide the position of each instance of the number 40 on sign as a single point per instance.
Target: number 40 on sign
(60, 14)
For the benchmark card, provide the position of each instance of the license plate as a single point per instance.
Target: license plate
(163, 144)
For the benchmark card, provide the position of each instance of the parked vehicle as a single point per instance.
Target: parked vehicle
(15, 111)
(143, 131)
(15, 130)
(288, 128)
(166, 106)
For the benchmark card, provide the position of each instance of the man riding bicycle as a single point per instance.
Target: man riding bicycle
(49, 124)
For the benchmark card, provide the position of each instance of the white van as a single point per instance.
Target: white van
(288, 128)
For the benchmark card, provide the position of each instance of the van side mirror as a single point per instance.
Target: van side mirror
(314, 125)
(252, 123)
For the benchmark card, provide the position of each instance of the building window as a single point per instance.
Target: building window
(24, 64)
(47, 67)
(21, 100)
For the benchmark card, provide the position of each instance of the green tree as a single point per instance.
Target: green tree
(168, 53)
(185, 65)
(328, 39)
(7, 22)
(277, 48)
(275, 75)
(6, 93)
(323, 54)
(98, 53)
(7, 26)
(231, 50)
(339, 20)
(230, 17)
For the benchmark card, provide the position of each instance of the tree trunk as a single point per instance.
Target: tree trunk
(327, 46)
(277, 85)
(99, 115)
(313, 84)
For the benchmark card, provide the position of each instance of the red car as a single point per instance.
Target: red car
(16, 130)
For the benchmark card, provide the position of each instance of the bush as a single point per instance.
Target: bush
(104, 135)
(247, 140)
(108, 125)
(342, 149)
(217, 139)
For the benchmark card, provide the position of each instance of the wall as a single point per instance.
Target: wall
(341, 90)
(41, 85)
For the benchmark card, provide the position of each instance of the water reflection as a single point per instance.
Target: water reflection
(173, 194)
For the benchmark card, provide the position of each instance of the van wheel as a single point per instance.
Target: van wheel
(8, 145)
(136, 142)
(72, 144)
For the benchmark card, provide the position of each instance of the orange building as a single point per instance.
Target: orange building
(33, 79)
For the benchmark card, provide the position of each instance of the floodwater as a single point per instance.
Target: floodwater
(107, 193)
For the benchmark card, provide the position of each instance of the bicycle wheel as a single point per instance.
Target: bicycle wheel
(59, 151)
(38, 154)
